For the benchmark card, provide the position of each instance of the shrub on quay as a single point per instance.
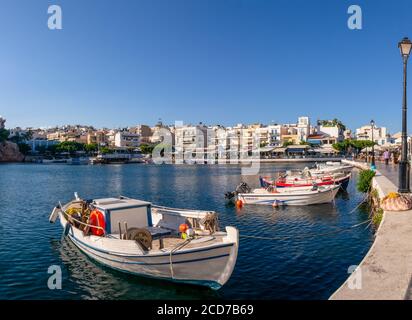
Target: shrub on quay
(365, 180)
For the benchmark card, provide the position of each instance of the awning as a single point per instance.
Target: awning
(314, 141)
(376, 148)
(297, 148)
(267, 149)
(325, 150)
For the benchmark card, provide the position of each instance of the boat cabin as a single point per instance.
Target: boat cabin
(117, 212)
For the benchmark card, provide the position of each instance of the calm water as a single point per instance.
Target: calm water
(293, 268)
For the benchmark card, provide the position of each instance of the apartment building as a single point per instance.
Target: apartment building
(126, 139)
(380, 134)
(143, 131)
(191, 142)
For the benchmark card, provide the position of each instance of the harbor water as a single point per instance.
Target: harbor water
(306, 260)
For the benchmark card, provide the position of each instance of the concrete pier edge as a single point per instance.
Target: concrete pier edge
(385, 271)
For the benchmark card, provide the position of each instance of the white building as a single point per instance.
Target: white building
(331, 129)
(126, 139)
(191, 142)
(303, 128)
(380, 134)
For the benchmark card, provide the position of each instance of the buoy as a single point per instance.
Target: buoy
(183, 227)
(239, 203)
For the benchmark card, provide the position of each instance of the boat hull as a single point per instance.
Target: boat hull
(290, 198)
(343, 182)
(209, 266)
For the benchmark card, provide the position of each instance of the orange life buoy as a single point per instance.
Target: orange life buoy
(97, 219)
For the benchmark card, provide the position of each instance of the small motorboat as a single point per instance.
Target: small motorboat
(341, 179)
(283, 196)
(143, 239)
(331, 167)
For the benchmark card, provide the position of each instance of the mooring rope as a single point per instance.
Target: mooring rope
(178, 247)
(308, 235)
(369, 221)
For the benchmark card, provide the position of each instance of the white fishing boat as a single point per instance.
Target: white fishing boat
(330, 167)
(284, 196)
(140, 238)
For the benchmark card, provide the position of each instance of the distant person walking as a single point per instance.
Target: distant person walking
(386, 157)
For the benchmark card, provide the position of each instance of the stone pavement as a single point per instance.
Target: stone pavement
(385, 272)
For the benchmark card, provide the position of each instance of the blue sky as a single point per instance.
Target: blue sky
(120, 63)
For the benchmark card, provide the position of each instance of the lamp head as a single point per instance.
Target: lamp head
(405, 47)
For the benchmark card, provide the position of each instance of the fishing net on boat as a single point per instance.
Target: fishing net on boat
(396, 202)
(78, 212)
(210, 222)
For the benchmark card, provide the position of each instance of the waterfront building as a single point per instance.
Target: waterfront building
(321, 140)
(126, 139)
(274, 134)
(159, 131)
(98, 137)
(217, 143)
(250, 138)
(38, 143)
(234, 136)
(380, 134)
(332, 128)
(191, 142)
(14, 132)
(347, 134)
(289, 134)
(145, 132)
(303, 128)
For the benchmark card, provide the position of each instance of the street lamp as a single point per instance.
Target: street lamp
(405, 47)
(373, 146)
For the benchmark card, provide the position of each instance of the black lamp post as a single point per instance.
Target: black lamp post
(373, 145)
(405, 47)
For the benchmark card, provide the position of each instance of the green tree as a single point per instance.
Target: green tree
(146, 148)
(91, 147)
(358, 145)
(4, 135)
(69, 146)
(24, 148)
(105, 150)
(287, 143)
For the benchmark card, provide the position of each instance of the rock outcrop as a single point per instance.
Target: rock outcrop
(9, 152)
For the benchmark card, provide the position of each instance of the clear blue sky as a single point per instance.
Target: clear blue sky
(119, 63)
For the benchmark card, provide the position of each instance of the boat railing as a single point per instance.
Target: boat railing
(182, 212)
(70, 218)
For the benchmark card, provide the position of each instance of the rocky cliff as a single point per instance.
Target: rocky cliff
(9, 152)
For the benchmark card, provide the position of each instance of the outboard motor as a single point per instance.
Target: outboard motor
(230, 195)
(243, 187)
